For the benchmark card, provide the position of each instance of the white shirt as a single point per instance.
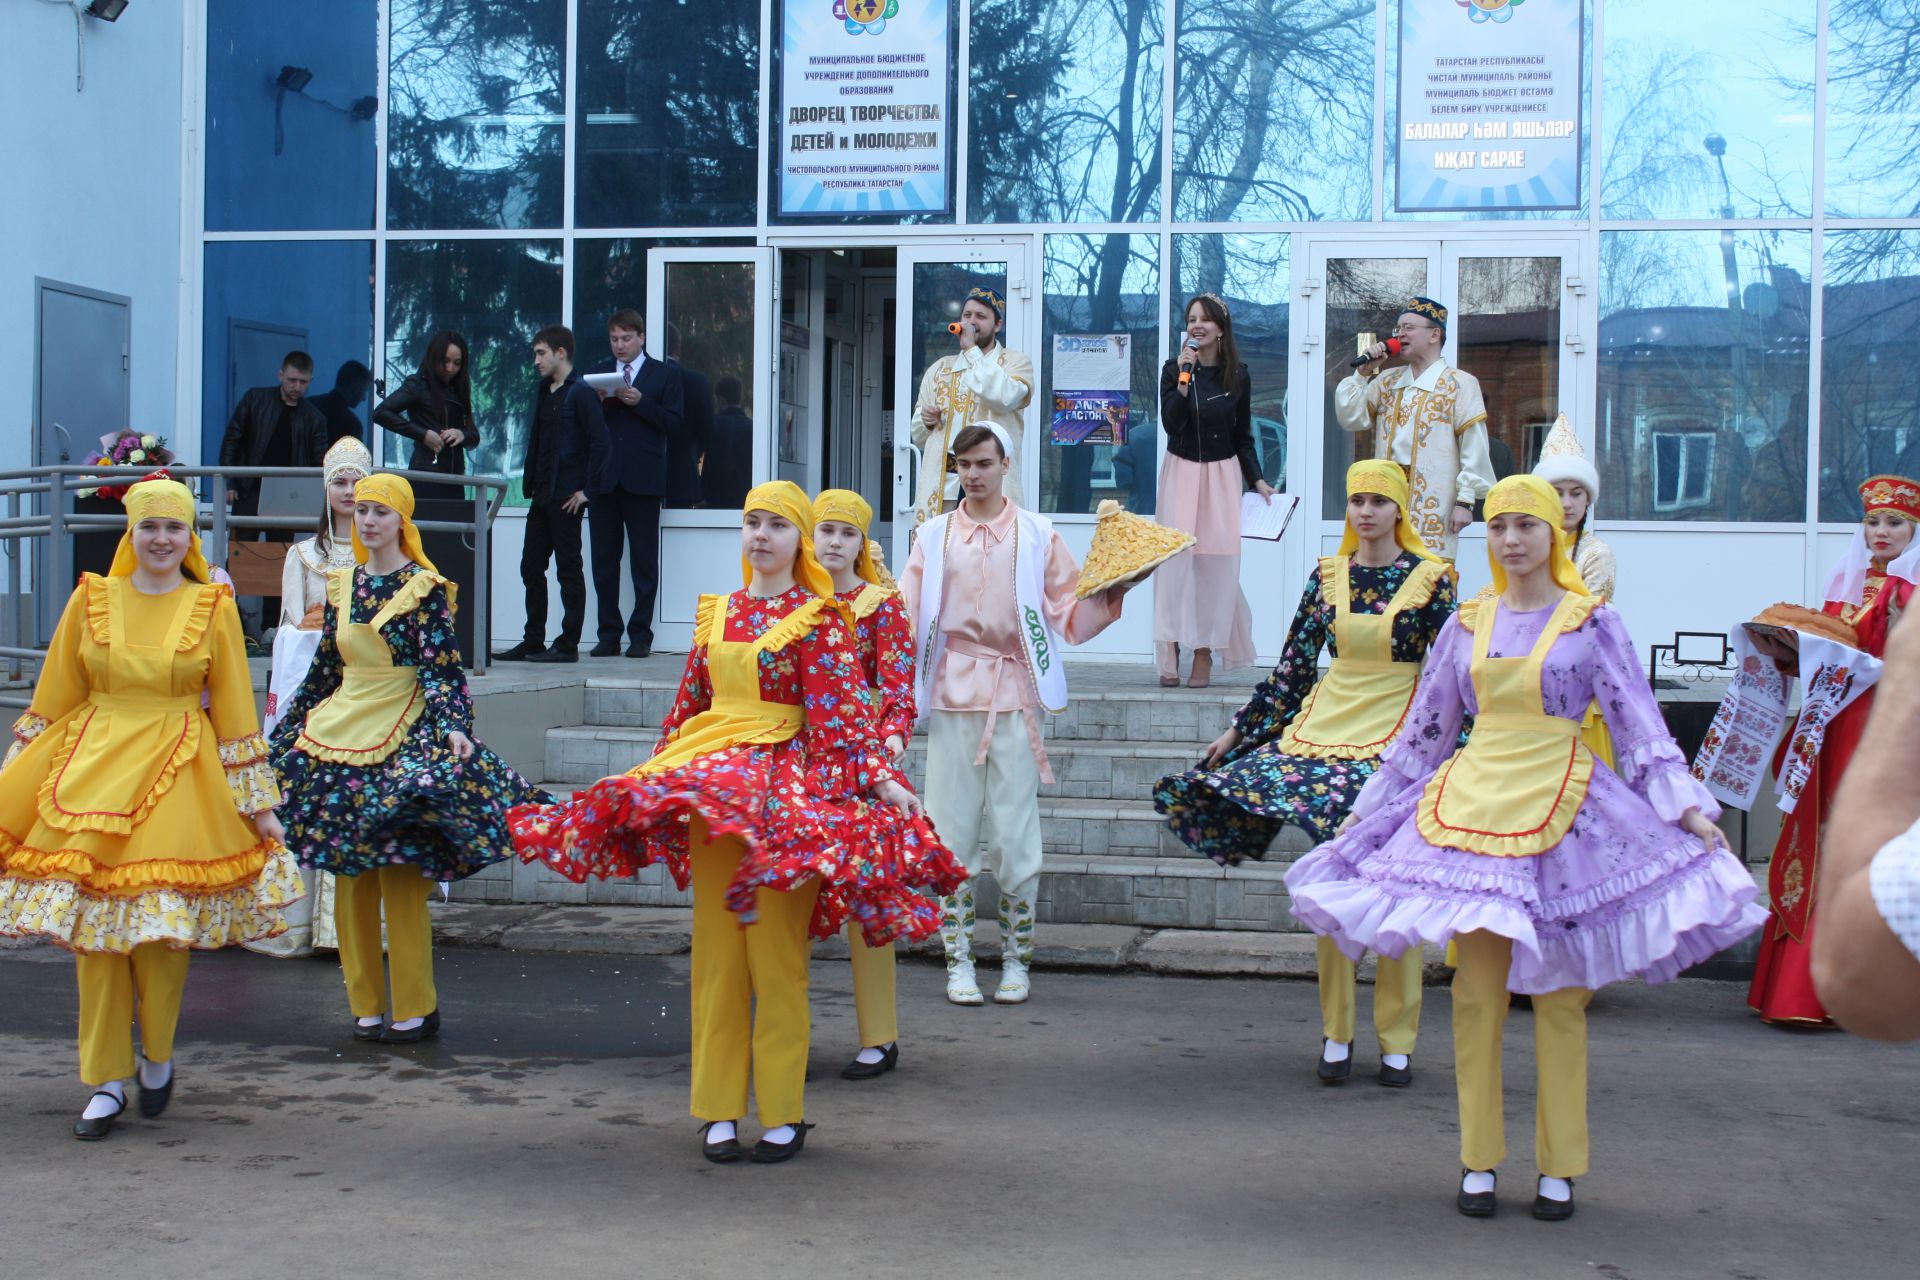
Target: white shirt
(1894, 878)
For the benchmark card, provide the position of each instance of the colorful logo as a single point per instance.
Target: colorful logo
(870, 16)
(1480, 10)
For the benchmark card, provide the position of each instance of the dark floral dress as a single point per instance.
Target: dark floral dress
(420, 805)
(1235, 810)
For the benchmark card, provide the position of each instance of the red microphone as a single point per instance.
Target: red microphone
(1186, 371)
(1393, 349)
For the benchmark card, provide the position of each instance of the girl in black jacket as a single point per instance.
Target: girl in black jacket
(434, 408)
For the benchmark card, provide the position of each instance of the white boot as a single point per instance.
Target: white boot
(956, 936)
(962, 988)
(1016, 950)
(1015, 986)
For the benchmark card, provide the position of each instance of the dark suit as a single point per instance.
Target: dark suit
(416, 409)
(570, 458)
(624, 515)
(728, 472)
(687, 446)
(250, 431)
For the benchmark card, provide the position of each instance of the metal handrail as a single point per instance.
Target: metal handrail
(55, 523)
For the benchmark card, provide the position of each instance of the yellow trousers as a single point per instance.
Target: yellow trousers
(1396, 997)
(357, 904)
(873, 998)
(1560, 1052)
(150, 981)
(750, 1016)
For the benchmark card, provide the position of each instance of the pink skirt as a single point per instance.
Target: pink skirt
(1197, 601)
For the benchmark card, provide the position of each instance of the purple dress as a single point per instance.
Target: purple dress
(1626, 892)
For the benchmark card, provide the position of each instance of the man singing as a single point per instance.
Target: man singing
(982, 382)
(1428, 417)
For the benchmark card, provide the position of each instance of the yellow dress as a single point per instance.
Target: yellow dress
(121, 799)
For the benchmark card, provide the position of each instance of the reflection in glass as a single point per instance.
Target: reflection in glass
(1251, 273)
(1873, 109)
(1702, 409)
(1709, 115)
(1506, 332)
(263, 300)
(611, 274)
(286, 160)
(667, 110)
(709, 315)
(1273, 111)
(498, 294)
(1064, 97)
(1869, 381)
(475, 126)
(1101, 285)
(939, 291)
(1365, 297)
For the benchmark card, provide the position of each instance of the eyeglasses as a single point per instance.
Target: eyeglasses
(1400, 329)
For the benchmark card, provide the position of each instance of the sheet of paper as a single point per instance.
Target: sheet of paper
(1266, 520)
(607, 382)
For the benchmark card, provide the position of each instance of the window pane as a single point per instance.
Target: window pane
(291, 159)
(611, 274)
(495, 293)
(1703, 375)
(475, 126)
(1273, 111)
(1507, 334)
(1064, 98)
(264, 300)
(1710, 114)
(1102, 285)
(1365, 297)
(667, 110)
(1873, 109)
(1251, 273)
(1869, 382)
(710, 323)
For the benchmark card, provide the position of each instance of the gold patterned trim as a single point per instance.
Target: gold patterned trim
(72, 918)
(1473, 421)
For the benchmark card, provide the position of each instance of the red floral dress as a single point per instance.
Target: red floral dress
(798, 800)
(883, 633)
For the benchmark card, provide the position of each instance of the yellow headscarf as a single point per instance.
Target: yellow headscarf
(789, 501)
(390, 491)
(1389, 480)
(848, 507)
(160, 500)
(1529, 495)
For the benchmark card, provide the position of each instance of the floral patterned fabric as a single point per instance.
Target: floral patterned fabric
(1235, 810)
(801, 806)
(420, 805)
(884, 637)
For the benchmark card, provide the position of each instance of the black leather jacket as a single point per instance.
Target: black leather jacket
(250, 429)
(414, 410)
(1212, 421)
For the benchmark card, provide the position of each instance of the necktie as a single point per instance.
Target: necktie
(626, 371)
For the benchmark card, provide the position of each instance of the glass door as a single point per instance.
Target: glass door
(932, 285)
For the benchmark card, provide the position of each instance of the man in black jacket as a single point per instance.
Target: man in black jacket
(341, 406)
(274, 427)
(643, 416)
(727, 473)
(566, 458)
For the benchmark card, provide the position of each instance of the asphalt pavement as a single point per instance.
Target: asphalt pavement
(1120, 1124)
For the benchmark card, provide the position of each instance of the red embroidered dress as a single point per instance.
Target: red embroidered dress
(883, 633)
(770, 739)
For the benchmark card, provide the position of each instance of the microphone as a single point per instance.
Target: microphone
(1393, 349)
(1186, 375)
(954, 328)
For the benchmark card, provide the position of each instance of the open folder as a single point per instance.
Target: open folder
(1266, 520)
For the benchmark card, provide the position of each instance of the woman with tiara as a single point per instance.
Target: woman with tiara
(1553, 873)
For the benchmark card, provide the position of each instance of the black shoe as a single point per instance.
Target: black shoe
(373, 1032)
(605, 649)
(1396, 1077)
(427, 1030)
(522, 652)
(640, 649)
(556, 654)
(765, 1152)
(1553, 1210)
(1334, 1072)
(724, 1152)
(858, 1070)
(93, 1130)
(1476, 1204)
(154, 1101)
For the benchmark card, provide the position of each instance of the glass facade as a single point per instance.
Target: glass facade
(515, 161)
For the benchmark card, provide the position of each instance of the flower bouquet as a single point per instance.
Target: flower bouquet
(127, 448)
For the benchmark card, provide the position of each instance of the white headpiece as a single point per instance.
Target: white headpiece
(1562, 458)
(344, 455)
(999, 433)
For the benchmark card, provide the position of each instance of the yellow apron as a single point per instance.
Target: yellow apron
(123, 753)
(366, 719)
(1515, 788)
(1359, 706)
(737, 715)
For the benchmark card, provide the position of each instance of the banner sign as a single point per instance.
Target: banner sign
(1092, 380)
(1489, 105)
(866, 107)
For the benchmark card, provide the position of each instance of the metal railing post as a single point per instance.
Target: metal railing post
(217, 531)
(16, 545)
(483, 575)
(59, 565)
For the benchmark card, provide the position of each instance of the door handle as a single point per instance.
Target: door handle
(66, 443)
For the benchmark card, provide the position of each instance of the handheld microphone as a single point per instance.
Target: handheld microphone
(954, 328)
(1393, 349)
(1186, 375)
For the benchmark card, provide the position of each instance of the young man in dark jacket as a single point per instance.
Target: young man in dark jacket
(566, 459)
(274, 427)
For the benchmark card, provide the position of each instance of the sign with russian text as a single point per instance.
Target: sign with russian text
(866, 104)
(1489, 106)
(1092, 379)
